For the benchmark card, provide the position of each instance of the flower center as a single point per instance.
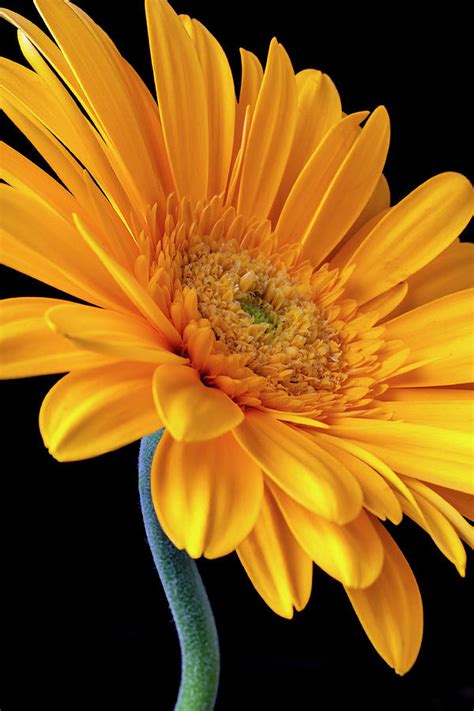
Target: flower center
(256, 309)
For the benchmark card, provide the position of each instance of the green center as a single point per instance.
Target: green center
(259, 311)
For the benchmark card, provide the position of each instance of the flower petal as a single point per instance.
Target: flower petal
(460, 500)
(352, 553)
(437, 526)
(37, 241)
(181, 94)
(111, 97)
(452, 270)
(28, 347)
(300, 467)
(319, 108)
(315, 179)
(417, 406)
(270, 137)
(279, 569)
(221, 104)
(127, 281)
(350, 188)
(410, 235)
(379, 498)
(431, 454)
(189, 409)
(440, 331)
(121, 336)
(390, 610)
(207, 495)
(94, 411)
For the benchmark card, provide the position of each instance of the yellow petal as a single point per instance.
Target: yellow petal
(110, 94)
(431, 454)
(319, 108)
(181, 99)
(300, 467)
(351, 553)
(279, 569)
(452, 270)
(28, 347)
(221, 103)
(120, 336)
(390, 610)
(461, 501)
(314, 180)
(438, 525)
(441, 332)
(270, 137)
(94, 411)
(37, 241)
(410, 235)
(379, 498)
(137, 294)
(252, 75)
(36, 103)
(350, 188)
(207, 495)
(432, 409)
(378, 202)
(189, 409)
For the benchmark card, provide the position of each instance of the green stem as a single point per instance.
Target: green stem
(187, 598)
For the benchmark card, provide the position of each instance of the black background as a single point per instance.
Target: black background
(85, 622)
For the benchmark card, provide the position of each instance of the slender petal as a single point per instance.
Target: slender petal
(29, 347)
(390, 610)
(189, 409)
(428, 453)
(441, 333)
(37, 241)
(270, 137)
(120, 336)
(207, 495)
(279, 569)
(410, 235)
(352, 553)
(181, 94)
(221, 103)
(300, 467)
(92, 411)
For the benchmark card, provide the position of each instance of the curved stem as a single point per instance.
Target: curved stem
(187, 598)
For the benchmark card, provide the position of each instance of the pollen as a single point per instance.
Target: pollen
(258, 310)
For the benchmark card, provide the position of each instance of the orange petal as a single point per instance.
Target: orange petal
(189, 409)
(207, 495)
(431, 454)
(315, 179)
(279, 569)
(28, 347)
(270, 137)
(121, 336)
(319, 108)
(39, 242)
(349, 189)
(410, 235)
(390, 610)
(94, 411)
(440, 332)
(221, 104)
(351, 553)
(300, 467)
(181, 95)
(452, 270)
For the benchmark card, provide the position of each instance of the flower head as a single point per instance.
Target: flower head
(247, 286)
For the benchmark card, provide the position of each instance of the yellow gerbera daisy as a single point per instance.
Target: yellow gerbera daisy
(306, 346)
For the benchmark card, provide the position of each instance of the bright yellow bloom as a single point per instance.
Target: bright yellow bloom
(305, 345)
